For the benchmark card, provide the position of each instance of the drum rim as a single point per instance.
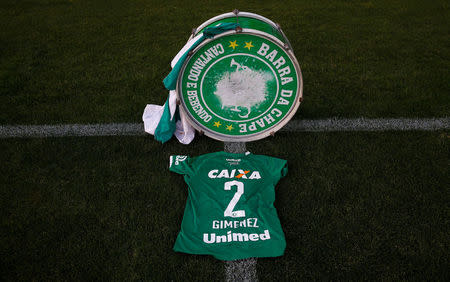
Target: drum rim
(254, 136)
(230, 15)
(196, 31)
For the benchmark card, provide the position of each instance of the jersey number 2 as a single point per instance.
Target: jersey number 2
(240, 190)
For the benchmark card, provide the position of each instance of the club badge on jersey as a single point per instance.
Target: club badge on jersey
(230, 213)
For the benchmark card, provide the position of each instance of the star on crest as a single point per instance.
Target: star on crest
(217, 124)
(248, 45)
(233, 44)
(229, 127)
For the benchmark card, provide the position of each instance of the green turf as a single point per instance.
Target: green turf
(355, 206)
(64, 61)
(374, 206)
(361, 206)
(94, 209)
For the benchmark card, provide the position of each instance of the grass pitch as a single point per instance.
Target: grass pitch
(357, 206)
(374, 206)
(77, 61)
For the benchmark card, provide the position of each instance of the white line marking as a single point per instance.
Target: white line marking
(242, 269)
(365, 124)
(63, 130)
(235, 147)
(319, 125)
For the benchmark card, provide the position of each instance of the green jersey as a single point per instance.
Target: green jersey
(229, 211)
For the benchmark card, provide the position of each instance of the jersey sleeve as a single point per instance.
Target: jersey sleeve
(278, 167)
(180, 164)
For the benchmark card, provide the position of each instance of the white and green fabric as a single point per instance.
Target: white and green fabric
(229, 211)
(165, 121)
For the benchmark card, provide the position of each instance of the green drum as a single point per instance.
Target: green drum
(246, 20)
(242, 85)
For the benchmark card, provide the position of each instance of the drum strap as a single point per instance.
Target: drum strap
(210, 32)
(170, 82)
(162, 121)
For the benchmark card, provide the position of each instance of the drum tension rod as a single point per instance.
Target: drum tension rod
(286, 45)
(238, 28)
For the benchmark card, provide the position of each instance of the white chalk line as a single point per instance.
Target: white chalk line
(319, 125)
(242, 269)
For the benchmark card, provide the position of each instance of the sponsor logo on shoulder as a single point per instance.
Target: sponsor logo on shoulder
(179, 159)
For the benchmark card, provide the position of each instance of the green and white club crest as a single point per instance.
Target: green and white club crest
(240, 86)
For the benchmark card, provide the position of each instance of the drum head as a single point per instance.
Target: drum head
(240, 86)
